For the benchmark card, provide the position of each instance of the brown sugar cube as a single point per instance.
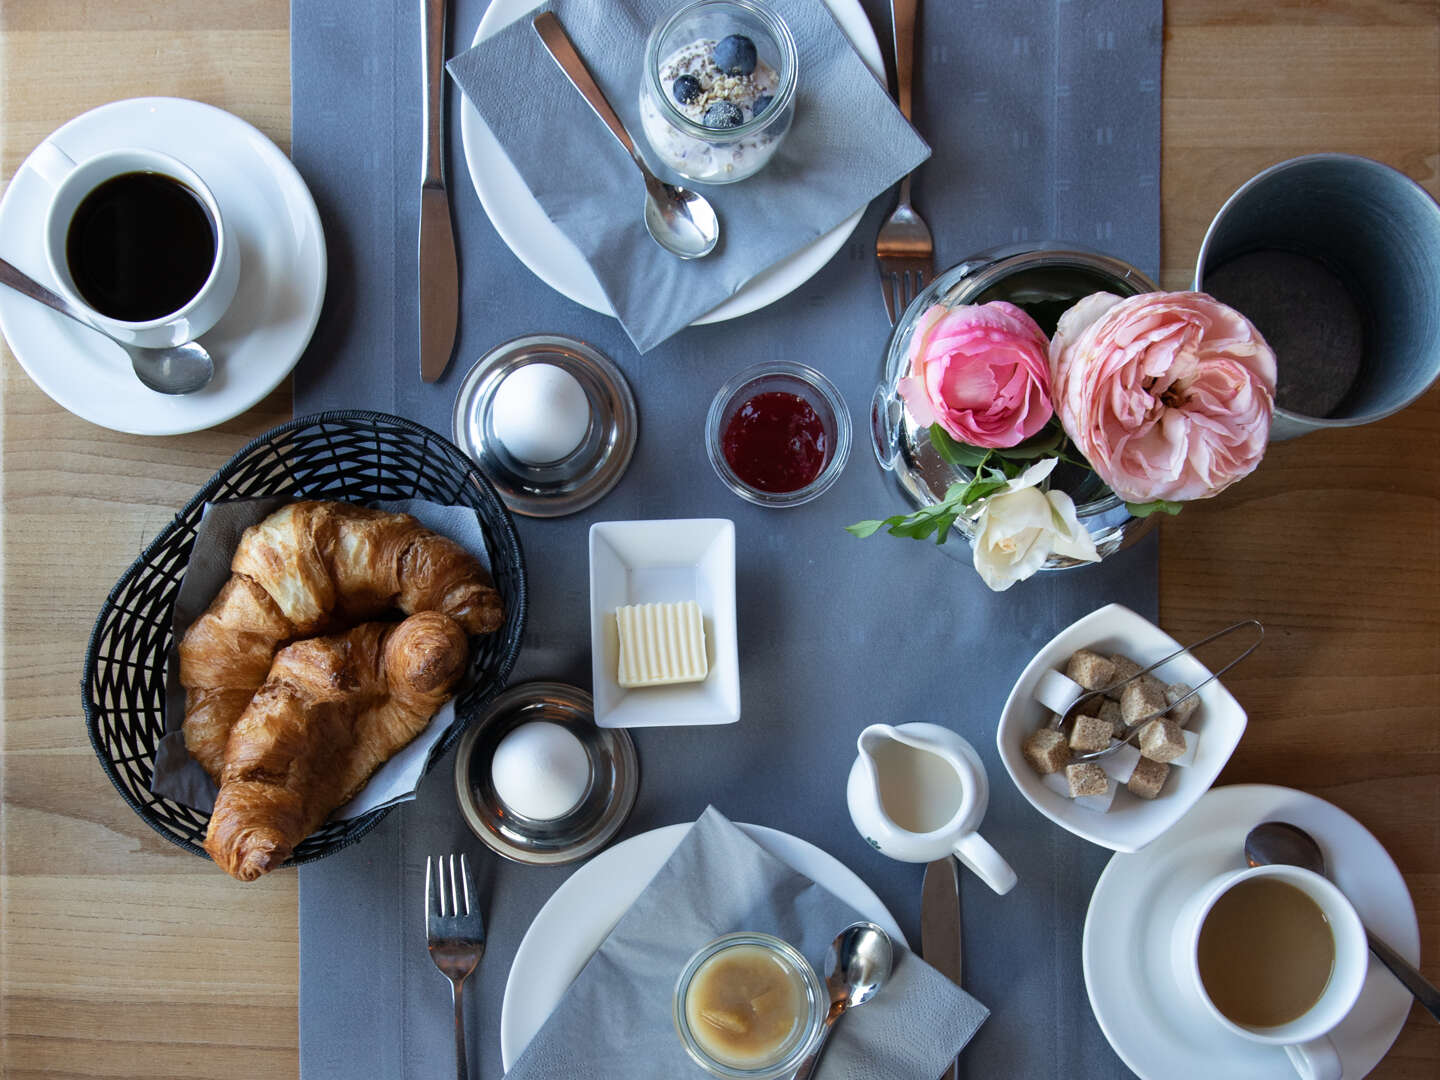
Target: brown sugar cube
(1090, 733)
(1141, 699)
(1148, 778)
(1090, 669)
(1086, 779)
(1125, 669)
(1046, 750)
(1181, 714)
(1110, 713)
(1162, 740)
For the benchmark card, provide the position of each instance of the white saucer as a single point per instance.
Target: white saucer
(1128, 972)
(583, 911)
(282, 271)
(538, 242)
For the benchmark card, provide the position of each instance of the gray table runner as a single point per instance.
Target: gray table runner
(1045, 122)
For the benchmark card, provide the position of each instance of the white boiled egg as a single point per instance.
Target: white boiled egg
(540, 770)
(540, 413)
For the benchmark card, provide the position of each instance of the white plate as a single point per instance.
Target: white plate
(583, 911)
(538, 242)
(1126, 948)
(282, 271)
(1131, 822)
(657, 562)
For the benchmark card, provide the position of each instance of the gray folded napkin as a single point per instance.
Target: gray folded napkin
(848, 143)
(614, 1021)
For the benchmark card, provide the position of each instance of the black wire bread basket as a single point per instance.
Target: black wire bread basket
(352, 456)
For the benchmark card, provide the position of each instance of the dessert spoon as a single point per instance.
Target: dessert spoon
(856, 967)
(1280, 843)
(179, 369)
(679, 220)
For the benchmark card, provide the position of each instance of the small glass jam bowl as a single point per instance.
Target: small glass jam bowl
(783, 378)
(807, 995)
(717, 94)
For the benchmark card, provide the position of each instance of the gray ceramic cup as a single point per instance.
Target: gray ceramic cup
(1340, 256)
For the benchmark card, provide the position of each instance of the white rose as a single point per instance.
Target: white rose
(1019, 527)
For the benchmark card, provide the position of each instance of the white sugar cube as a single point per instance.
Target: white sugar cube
(1057, 692)
(1192, 742)
(1100, 804)
(1120, 764)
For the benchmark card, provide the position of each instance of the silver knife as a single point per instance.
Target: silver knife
(940, 926)
(439, 276)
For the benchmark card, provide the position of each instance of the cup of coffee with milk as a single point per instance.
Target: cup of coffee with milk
(1276, 955)
(917, 792)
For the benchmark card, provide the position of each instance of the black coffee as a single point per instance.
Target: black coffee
(140, 246)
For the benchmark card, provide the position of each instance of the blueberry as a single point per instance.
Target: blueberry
(761, 104)
(686, 89)
(724, 114)
(735, 55)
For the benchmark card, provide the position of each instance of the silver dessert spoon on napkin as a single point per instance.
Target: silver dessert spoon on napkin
(679, 220)
(857, 966)
(179, 369)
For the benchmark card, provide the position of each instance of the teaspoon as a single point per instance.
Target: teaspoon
(678, 219)
(856, 967)
(180, 369)
(1279, 843)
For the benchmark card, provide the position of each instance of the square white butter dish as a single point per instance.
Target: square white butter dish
(655, 562)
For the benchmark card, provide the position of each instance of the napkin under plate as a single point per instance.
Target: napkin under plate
(614, 1021)
(848, 143)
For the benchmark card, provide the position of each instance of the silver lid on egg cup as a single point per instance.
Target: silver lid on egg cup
(595, 819)
(582, 477)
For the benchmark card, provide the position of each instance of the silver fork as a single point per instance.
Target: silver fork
(455, 930)
(903, 248)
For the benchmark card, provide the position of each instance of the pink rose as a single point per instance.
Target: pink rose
(980, 372)
(1168, 395)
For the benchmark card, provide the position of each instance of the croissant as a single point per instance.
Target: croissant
(311, 568)
(331, 711)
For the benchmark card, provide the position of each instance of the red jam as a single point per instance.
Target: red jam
(775, 442)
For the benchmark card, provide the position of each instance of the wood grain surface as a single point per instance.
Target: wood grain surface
(122, 956)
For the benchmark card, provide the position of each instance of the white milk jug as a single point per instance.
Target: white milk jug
(917, 793)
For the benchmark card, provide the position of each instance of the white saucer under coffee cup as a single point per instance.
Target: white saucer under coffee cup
(1304, 1038)
(70, 182)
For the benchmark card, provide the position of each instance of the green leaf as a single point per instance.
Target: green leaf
(1160, 506)
(1042, 444)
(953, 452)
(862, 529)
(981, 488)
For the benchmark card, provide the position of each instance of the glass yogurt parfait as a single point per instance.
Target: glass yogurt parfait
(718, 91)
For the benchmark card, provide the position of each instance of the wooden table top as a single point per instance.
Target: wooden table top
(123, 956)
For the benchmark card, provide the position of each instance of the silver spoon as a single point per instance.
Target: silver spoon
(679, 220)
(1279, 843)
(180, 369)
(856, 967)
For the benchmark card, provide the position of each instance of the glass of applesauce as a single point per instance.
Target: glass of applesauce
(749, 1005)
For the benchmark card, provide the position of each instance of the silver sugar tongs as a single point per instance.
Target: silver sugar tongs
(1134, 729)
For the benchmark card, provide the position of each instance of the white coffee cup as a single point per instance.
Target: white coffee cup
(72, 181)
(1305, 1038)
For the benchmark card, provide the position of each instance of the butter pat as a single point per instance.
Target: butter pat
(661, 644)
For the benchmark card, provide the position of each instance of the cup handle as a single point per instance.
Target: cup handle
(1316, 1059)
(50, 163)
(975, 852)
